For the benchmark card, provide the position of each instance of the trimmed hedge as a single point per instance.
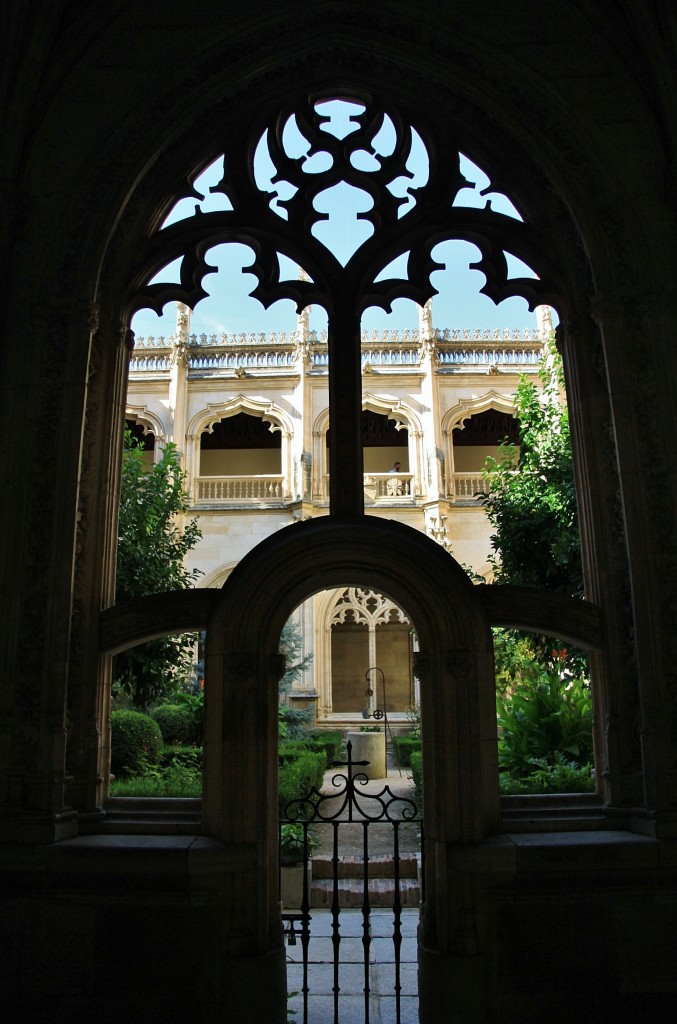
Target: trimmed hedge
(417, 775)
(299, 775)
(330, 741)
(177, 724)
(404, 748)
(135, 739)
(291, 750)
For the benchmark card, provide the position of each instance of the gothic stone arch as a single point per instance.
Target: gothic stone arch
(455, 666)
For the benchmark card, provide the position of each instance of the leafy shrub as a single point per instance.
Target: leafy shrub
(417, 775)
(561, 776)
(414, 716)
(296, 837)
(135, 739)
(404, 747)
(544, 715)
(173, 780)
(194, 703)
(300, 775)
(177, 723)
(182, 757)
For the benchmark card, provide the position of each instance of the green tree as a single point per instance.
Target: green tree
(544, 706)
(151, 553)
(291, 720)
(532, 499)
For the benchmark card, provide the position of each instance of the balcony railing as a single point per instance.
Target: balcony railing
(466, 487)
(457, 350)
(381, 487)
(387, 486)
(240, 489)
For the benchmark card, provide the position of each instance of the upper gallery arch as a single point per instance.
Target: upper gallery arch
(402, 184)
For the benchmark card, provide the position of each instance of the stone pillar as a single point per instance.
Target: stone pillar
(642, 695)
(460, 794)
(178, 378)
(240, 808)
(35, 721)
(346, 487)
(300, 443)
(431, 472)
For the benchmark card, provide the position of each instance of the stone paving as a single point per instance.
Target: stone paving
(381, 970)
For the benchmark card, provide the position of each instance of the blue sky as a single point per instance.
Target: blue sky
(229, 307)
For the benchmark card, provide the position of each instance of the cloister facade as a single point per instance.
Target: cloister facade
(249, 415)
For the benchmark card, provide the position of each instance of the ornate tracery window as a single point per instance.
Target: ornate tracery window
(279, 177)
(385, 634)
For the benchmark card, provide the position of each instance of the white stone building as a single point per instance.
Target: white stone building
(250, 415)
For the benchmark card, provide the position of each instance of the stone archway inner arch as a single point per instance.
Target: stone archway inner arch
(455, 667)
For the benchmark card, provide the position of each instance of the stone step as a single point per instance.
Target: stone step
(351, 892)
(555, 812)
(149, 826)
(157, 816)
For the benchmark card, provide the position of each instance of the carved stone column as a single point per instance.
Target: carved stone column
(88, 753)
(632, 568)
(178, 379)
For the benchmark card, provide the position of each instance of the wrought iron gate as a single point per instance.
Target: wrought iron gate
(366, 810)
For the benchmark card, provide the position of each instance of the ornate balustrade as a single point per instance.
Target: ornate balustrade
(378, 487)
(240, 489)
(465, 487)
(381, 487)
(159, 362)
(259, 358)
(461, 348)
(387, 486)
(465, 357)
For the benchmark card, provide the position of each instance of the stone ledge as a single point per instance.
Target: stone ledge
(174, 856)
(601, 851)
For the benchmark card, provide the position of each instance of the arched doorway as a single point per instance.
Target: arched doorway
(454, 664)
(455, 659)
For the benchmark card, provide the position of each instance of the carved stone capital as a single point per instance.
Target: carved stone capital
(81, 315)
(180, 353)
(90, 312)
(459, 663)
(241, 665)
(421, 664)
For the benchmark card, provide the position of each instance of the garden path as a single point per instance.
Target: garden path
(380, 836)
